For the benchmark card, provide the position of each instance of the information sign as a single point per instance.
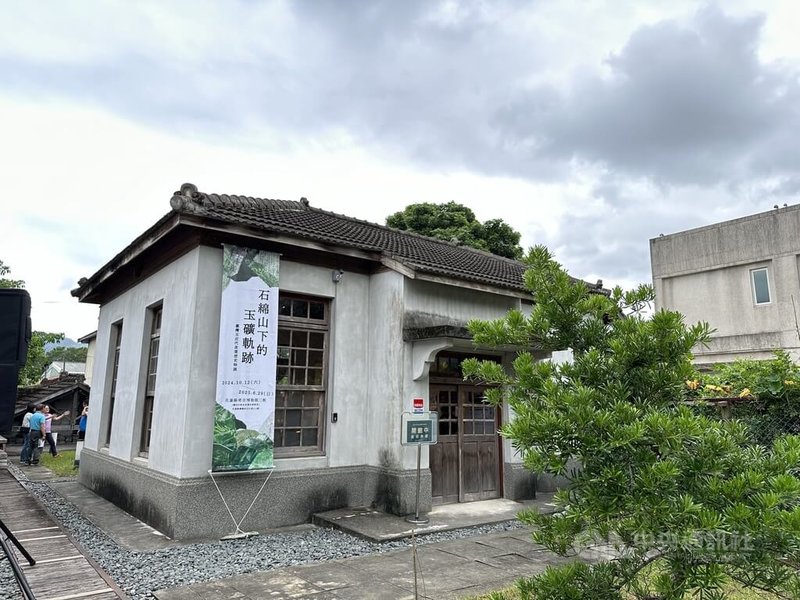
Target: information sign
(419, 429)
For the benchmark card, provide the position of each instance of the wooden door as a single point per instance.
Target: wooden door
(444, 455)
(465, 463)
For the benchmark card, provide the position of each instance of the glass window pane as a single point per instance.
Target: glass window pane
(761, 286)
(283, 355)
(293, 417)
(284, 307)
(283, 337)
(315, 358)
(280, 398)
(310, 418)
(278, 438)
(295, 399)
(316, 311)
(282, 376)
(316, 340)
(279, 418)
(300, 339)
(291, 437)
(311, 399)
(298, 358)
(314, 377)
(300, 309)
(310, 437)
(298, 377)
(467, 427)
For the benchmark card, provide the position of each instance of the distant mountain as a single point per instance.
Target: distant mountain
(66, 342)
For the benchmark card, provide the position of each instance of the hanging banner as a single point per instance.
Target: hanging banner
(244, 416)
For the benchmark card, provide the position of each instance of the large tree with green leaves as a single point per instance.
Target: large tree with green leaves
(37, 357)
(67, 354)
(455, 222)
(690, 504)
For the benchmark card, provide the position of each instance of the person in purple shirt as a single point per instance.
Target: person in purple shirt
(38, 432)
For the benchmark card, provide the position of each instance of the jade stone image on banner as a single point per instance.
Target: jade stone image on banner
(244, 415)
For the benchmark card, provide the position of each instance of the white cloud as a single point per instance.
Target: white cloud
(106, 107)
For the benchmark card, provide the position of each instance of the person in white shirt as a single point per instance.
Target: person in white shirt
(25, 428)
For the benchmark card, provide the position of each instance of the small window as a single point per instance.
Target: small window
(150, 381)
(116, 333)
(760, 278)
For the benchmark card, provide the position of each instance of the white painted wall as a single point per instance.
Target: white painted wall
(370, 379)
(91, 349)
(385, 367)
(168, 286)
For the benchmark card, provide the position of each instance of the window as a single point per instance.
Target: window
(116, 340)
(760, 279)
(301, 375)
(150, 381)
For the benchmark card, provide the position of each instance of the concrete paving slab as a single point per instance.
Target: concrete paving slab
(456, 569)
(378, 526)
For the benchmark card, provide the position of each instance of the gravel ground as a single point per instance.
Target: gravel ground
(140, 573)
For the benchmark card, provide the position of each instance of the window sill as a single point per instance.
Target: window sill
(297, 463)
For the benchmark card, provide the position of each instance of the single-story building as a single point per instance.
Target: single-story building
(366, 319)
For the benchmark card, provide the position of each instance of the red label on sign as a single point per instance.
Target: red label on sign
(419, 403)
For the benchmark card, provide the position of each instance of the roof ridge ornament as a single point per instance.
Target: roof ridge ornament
(187, 199)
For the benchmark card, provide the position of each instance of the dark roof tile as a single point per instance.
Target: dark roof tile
(298, 219)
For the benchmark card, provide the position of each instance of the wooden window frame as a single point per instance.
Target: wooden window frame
(116, 332)
(150, 371)
(302, 324)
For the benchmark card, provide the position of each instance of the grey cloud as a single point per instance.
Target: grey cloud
(682, 104)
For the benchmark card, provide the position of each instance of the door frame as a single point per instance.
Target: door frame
(461, 388)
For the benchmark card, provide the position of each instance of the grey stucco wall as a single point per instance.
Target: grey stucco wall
(705, 274)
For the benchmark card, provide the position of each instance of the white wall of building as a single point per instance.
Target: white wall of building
(171, 286)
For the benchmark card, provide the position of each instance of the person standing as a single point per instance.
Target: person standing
(25, 428)
(48, 428)
(37, 424)
(82, 421)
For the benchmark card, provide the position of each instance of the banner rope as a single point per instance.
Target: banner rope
(238, 525)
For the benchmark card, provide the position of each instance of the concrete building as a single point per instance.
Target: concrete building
(741, 277)
(383, 311)
(90, 339)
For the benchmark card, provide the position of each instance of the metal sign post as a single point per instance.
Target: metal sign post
(419, 429)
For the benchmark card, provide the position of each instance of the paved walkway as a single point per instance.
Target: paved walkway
(458, 569)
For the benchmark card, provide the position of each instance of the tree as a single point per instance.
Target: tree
(456, 222)
(689, 503)
(67, 354)
(8, 283)
(36, 360)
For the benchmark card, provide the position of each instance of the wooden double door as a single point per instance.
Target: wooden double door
(466, 462)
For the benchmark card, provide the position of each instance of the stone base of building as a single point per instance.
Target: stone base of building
(518, 482)
(187, 509)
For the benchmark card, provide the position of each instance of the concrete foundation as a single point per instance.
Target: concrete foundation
(187, 509)
(518, 482)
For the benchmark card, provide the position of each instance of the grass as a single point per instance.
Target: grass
(62, 465)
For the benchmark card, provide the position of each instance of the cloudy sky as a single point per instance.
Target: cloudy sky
(590, 126)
